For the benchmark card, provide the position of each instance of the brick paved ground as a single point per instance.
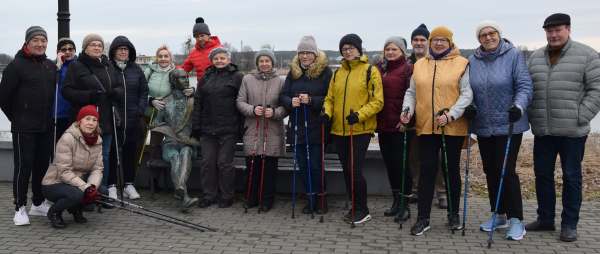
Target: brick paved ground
(275, 232)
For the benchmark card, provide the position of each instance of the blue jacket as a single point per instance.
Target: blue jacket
(63, 105)
(499, 79)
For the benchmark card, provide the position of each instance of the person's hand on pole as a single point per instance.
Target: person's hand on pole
(471, 113)
(258, 110)
(514, 114)
(305, 99)
(89, 195)
(352, 118)
(158, 104)
(444, 119)
(296, 102)
(323, 118)
(269, 112)
(405, 119)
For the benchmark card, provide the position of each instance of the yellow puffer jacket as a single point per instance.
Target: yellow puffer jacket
(348, 90)
(437, 87)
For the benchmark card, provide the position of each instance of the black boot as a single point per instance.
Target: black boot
(395, 206)
(56, 219)
(307, 208)
(406, 213)
(324, 205)
(77, 213)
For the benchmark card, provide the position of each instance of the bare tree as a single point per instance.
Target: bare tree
(106, 48)
(247, 59)
(187, 46)
(526, 52)
(5, 59)
(235, 55)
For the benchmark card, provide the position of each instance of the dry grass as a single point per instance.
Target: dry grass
(590, 172)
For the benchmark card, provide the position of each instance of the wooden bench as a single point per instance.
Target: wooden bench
(286, 164)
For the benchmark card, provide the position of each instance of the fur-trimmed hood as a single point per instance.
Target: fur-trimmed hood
(321, 62)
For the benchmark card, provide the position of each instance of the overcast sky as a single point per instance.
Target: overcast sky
(149, 23)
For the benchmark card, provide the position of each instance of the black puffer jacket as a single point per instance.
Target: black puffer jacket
(27, 93)
(136, 92)
(215, 111)
(79, 84)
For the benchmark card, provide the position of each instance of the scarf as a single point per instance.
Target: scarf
(440, 56)
(90, 140)
(163, 70)
(122, 64)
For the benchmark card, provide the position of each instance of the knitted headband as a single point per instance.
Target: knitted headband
(65, 41)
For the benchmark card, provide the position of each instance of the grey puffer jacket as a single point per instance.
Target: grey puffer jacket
(263, 88)
(566, 96)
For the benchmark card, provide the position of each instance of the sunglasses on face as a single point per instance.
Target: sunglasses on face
(491, 34)
(67, 49)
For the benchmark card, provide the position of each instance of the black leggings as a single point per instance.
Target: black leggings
(492, 151)
(429, 150)
(269, 179)
(66, 196)
(129, 164)
(361, 143)
(391, 145)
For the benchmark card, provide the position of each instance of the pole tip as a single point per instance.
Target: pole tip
(353, 225)
(321, 220)
(463, 233)
(489, 245)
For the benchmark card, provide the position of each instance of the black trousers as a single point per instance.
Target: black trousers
(391, 145)
(429, 150)
(66, 196)
(269, 179)
(492, 151)
(129, 164)
(32, 154)
(62, 125)
(361, 143)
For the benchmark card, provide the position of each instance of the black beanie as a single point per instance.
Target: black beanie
(557, 19)
(65, 41)
(351, 39)
(421, 30)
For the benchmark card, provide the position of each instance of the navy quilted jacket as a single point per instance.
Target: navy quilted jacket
(499, 79)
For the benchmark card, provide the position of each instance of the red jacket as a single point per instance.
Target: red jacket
(393, 94)
(198, 57)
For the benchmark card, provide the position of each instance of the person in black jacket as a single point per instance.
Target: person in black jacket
(28, 85)
(217, 119)
(92, 80)
(307, 83)
(122, 56)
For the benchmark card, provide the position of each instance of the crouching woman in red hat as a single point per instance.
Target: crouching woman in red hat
(78, 152)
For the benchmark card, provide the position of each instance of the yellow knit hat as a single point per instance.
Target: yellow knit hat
(443, 32)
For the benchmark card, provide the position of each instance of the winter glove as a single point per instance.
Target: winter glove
(113, 95)
(470, 113)
(95, 96)
(196, 134)
(189, 91)
(158, 104)
(352, 118)
(514, 114)
(89, 195)
(323, 118)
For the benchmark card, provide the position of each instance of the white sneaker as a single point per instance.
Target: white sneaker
(41, 210)
(130, 192)
(112, 192)
(21, 218)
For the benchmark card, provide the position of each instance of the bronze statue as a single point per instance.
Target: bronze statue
(178, 148)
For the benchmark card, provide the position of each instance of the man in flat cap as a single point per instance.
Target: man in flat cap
(566, 97)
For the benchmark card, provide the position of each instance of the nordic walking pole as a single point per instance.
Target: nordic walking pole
(352, 167)
(312, 214)
(152, 211)
(263, 159)
(403, 169)
(119, 168)
(55, 119)
(295, 147)
(439, 113)
(510, 131)
(144, 146)
(467, 176)
(252, 163)
(145, 214)
(322, 168)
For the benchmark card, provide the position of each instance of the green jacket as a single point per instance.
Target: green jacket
(158, 83)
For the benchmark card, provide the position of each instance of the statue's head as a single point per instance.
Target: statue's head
(179, 79)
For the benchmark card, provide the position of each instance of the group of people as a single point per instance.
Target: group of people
(415, 103)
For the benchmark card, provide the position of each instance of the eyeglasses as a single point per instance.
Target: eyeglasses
(301, 54)
(491, 34)
(96, 46)
(443, 41)
(350, 49)
(123, 49)
(67, 49)
(419, 40)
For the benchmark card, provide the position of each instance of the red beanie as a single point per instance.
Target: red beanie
(88, 110)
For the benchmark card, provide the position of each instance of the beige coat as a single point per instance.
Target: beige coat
(75, 158)
(263, 89)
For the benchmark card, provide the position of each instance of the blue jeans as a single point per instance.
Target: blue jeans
(106, 146)
(315, 168)
(571, 150)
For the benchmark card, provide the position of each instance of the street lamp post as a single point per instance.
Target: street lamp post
(63, 19)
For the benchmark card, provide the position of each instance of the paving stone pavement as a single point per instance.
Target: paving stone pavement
(119, 231)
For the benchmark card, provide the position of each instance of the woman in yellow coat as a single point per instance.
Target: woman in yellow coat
(355, 86)
(439, 81)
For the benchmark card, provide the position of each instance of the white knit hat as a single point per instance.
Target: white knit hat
(487, 23)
